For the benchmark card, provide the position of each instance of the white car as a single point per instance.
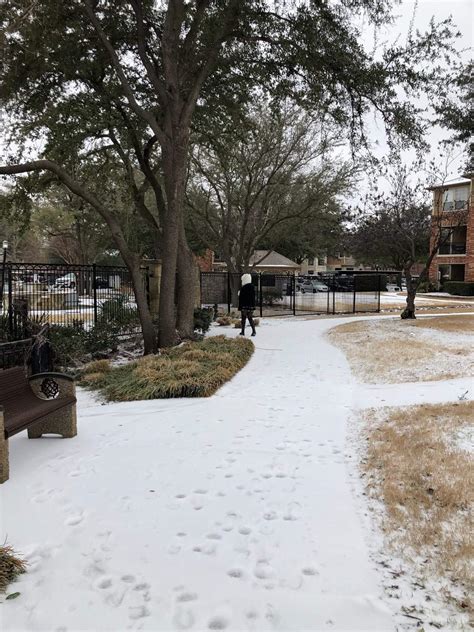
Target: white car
(313, 286)
(393, 287)
(68, 281)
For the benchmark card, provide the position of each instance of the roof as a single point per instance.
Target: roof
(456, 182)
(271, 259)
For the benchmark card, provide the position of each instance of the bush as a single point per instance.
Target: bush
(72, 344)
(426, 286)
(203, 318)
(10, 567)
(117, 313)
(224, 321)
(194, 369)
(271, 296)
(459, 288)
(69, 344)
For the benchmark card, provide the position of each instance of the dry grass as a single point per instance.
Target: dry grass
(195, 369)
(459, 324)
(10, 567)
(393, 350)
(426, 483)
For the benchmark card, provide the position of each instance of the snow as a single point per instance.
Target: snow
(235, 512)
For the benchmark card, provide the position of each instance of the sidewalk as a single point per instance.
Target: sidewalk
(234, 512)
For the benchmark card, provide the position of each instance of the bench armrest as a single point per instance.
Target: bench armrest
(52, 385)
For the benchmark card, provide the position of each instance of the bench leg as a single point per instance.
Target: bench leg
(4, 469)
(62, 422)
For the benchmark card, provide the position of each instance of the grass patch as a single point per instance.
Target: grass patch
(194, 369)
(392, 350)
(426, 482)
(10, 567)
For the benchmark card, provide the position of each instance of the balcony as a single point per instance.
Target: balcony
(454, 248)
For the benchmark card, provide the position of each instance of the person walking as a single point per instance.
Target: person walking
(247, 303)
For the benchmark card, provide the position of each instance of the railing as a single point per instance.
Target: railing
(285, 295)
(65, 295)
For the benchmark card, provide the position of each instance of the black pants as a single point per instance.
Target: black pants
(247, 314)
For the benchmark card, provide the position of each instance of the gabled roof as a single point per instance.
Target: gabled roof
(271, 260)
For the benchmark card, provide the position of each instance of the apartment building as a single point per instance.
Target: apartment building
(455, 258)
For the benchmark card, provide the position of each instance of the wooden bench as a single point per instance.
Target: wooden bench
(43, 403)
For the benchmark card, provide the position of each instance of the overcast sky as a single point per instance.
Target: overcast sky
(462, 12)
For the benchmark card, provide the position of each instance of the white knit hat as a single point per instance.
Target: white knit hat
(246, 278)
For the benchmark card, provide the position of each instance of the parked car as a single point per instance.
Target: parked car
(68, 281)
(393, 287)
(313, 286)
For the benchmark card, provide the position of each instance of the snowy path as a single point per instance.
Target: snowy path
(234, 512)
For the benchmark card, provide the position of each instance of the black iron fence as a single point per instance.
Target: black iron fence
(71, 295)
(285, 295)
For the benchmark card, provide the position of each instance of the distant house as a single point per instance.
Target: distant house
(455, 258)
(261, 261)
(331, 263)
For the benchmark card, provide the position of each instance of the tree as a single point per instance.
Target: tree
(154, 70)
(251, 186)
(398, 228)
(457, 115)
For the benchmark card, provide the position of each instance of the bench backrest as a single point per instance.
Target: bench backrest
(12, 382)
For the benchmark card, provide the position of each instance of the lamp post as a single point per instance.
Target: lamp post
(5, 248)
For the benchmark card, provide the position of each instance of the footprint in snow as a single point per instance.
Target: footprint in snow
(218, 623)
(186, 597)
(72, 521)
(138, 612)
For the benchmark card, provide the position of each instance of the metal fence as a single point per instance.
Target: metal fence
(72, 295)
(286, 295)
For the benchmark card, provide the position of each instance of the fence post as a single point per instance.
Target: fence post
(10, 300)
(379, 286)
(229, 293)
(293, 294)
(354, 294)
(334, 297)
(94, 290)
(261, 293)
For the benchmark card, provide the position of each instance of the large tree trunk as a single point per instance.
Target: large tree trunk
(174, 154)
(188, 279)
(409, 311)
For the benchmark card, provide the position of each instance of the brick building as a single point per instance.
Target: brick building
(455, 258)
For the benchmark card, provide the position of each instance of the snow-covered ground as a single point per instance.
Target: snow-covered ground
(235, 512)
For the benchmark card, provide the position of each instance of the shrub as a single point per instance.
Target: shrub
(203, 318)
(118, 313)
(459, 288)
(271, 296)
(10, 567)
(69, 344)
(194, 369)
(224, 321)
(102, 338)
(426, 286)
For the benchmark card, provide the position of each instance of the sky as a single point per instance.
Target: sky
(462, 12)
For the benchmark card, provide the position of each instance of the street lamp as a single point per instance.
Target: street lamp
(5, 248)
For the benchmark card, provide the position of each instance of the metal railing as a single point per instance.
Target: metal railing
(61, 294)
(286, 295)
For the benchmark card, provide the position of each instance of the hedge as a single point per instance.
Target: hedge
(459, 288)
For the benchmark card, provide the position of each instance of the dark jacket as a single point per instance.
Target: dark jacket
(247, 297)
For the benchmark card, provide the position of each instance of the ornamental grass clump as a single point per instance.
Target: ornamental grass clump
(194, 369)
(10, 567)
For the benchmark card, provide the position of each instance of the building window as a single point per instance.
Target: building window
(453, 241)
(311, 261)
(456, 199)
(454, 272)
